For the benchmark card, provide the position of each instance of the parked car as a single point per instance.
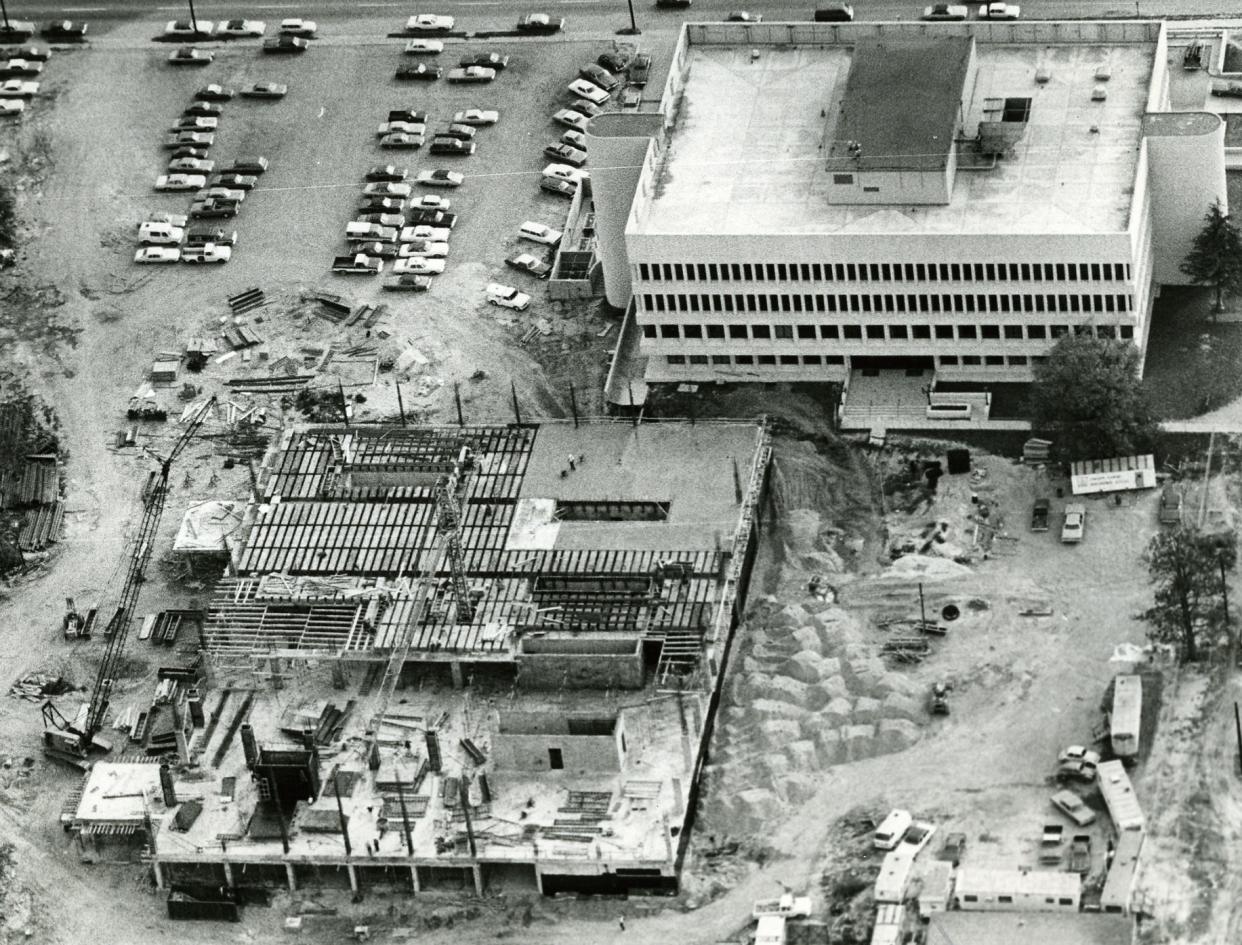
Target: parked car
(180, 181)
(1080, 853)
(440, 218)
(492, 60)
(401, 139)
(1074, 524)
(574, 139)
(953, 848)
(231, 194)
(370, 231)
(589, 91)
(1170, 505)
(388, 172)
(32, 53)
(429, 23)
(171, 219)
(187, 29)
(214, 93)
(207, 253)
(153, 233)
(239, 29)
(284, 43)
(418, 266)
(423, 232)
(571, 119)
(615, 62)
(599, 76)
(396, 220)
(204, 109)
(917, 836)
(540, 24)
(193, 165)
(741, 16)
(386, 188)
(374, 249)
(157, 254)
(419, 72)
(1073, 807)
(200, 235)
(189, 56)
(294, 26)
(179, 139)
(18, 88)
(399, 127)
(407, 283)
(440, 178)
(425, 249)
(539, 233)
(12, 106)
(431, 202)
(424, 47)
(566, 154)
(945, 11)
(444, 144)
(213, 209)
(20, 67)
(1077, 763)
(506, 296)
(477, 116)
(673, 4)
(249, 165)
(194, 123)
(564, 172)
(561, 188)
(357, 265)
(455, 130)
(999, 11)
(1039, 515)
(409, 116)
(640, 69)
(235, 181)
(525, 262)
(65, 31)
(265, 90)
(471, 74)
(835, 13)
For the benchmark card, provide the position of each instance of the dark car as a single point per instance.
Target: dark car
(673, 4)
(189, 151)
(208, 109)
(565, 154)
(248, 165)
(214, 93)
(613, 61)
(213, 209)
(429, 217)
(420, 72)
(408, 283)
(286, 44)
(202, 235)
(554, 185)
(444, 144)
(493, 60)
(373, 248)
(266, 90)
(600, 76)
(412, 117)
(540, 24)
(525, 262)
(234, 181)
(837, 13)
(65, 31)
(465, 132)
(640, 69)
(389, 172)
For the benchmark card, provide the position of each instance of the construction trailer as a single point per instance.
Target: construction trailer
(937, 890)
(1129, 826)
(1126, 718)
(894, 878)
(1017, 890)
(550, 733)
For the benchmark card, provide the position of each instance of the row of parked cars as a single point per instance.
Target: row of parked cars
(433, 24)
(16, 69)
(292, 36)
(481, 67)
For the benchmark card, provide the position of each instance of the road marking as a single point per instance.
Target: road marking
(278, 6)
(322, 109)
(84, 9)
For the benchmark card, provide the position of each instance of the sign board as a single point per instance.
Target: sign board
(1113, 475)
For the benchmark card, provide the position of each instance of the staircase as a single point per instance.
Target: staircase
(679, 654)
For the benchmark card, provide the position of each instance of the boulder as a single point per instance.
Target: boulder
(803, 666)
(824, 691)
(807, 639)
(771, 709)
(897, 735)
(802, 755)
(866, 710)
(859, 741)
(802, 526)
(755, 806)
(836, 713)
(897, 705)
(900, 682)
(776, 765)
(791, 615)
(830, 745)
(798, 788)
(784, 689)
(757, 685)
(775, 734)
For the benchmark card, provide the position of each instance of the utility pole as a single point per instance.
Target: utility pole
(5, 11)
(633, 30)
(193, 18)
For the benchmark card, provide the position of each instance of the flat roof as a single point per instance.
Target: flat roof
(746, 154)
(1028, 928)
(900, 104)
(118, 793)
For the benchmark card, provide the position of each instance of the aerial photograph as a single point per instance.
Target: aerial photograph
(593, 472)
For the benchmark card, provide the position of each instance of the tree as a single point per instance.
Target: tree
(1088, 397)
(1186, 567)
(1215, 259)
(8, 216)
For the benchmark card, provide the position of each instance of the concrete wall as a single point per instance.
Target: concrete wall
(1186, 158)
(585, 662)
(523, 741)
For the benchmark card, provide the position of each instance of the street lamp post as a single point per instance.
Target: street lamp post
(193, 18)
(5, 11)
(633, 29)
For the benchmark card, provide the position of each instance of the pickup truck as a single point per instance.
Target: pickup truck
(1050, 845)
(999, 11)
(358, 265)
(1075, 520)
(788, 906)
(1039, 515)
(1080, 853)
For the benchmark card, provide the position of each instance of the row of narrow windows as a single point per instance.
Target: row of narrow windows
(888, 302)
(765, 332)
(884, 272)
(831, 360)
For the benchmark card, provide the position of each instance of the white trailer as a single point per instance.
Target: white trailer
(1127, 715)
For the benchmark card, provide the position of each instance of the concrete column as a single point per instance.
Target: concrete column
(159, 874)
(459, 679)
(418, 886)
(228, 874)
(353, 877)
(477, 869)
(278, 667)
(538, 878)
(291, 876)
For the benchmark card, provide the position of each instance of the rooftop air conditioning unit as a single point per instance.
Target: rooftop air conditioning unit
(1099, 93)
(1103, 74)
(1042, 75)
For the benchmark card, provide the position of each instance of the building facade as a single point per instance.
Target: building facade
(954, 197)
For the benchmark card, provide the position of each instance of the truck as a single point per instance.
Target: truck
(1073, 524)
(770, 930)
(788, 905)
(1080, 853)
(357, 265)
(1126, 716)
(1039, 515)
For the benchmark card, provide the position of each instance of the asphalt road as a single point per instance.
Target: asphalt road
(588, 13)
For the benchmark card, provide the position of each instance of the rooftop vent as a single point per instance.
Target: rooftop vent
(1042, 75)
(1103, 74)
(1099, 93)
(1003, 124)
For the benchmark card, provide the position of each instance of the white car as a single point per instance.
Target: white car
(157, 254)
(575, 175)
(426, 249)
(538, 233)
(232, 195)
(477, 116)
(917, 836)
(12, 106)
(471, 74)
(424, 47)
(429, 23)
(946, 11)
(400, 128)
(431, 202)
(440, 178)
(507, 297)
(589, 90)
(571, 119)
(193, 165)
(1000, 11)
(169, 219)
(423, 232)
(184, 29)
(207, 253)
(195, 123)
(152, 233)
(17, 88)
(418, 266)
(385, 188)
(299, 27)
(180, 181)
(241, 28)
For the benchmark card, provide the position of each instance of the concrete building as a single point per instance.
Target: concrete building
(937, 200)
(549, 735)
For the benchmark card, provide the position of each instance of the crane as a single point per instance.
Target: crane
(71, 739)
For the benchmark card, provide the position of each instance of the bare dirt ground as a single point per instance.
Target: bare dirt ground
(83, 327)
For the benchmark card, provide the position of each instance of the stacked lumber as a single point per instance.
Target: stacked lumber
(41, 527)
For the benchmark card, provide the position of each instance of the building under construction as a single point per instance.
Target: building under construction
(457, 656)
